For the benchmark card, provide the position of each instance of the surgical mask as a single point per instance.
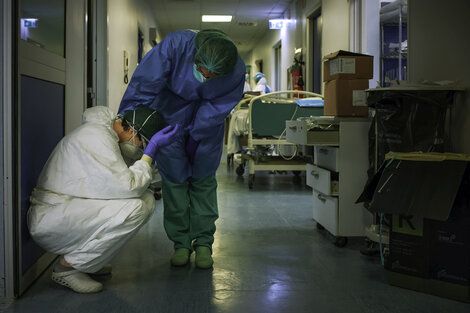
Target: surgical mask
(198, 75)
(130, 151)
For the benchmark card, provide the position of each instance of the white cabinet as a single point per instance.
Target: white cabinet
(338, 175)
(325, 209)
(326, 157)
(323, 180)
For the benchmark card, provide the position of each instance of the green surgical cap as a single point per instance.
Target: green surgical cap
(215, 52)
(145, 121)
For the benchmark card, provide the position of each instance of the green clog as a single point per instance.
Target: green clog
(204, 257)
(180, 257)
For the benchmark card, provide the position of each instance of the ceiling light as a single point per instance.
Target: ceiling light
(216, 18)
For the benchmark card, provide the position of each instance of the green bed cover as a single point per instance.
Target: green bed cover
(269, 118)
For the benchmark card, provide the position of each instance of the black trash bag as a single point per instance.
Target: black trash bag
(408, 121)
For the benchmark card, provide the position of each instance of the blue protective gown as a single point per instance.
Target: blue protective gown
(164, 81)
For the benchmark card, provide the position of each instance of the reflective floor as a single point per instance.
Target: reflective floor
(268, 255)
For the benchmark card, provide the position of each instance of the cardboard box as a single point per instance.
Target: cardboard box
(424, 188)
(430, 204)
(409, 246)
(450, 245)
(431, 286)
(347, 65)
(340, 97)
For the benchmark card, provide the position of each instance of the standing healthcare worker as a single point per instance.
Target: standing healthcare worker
(193, 79)
(261, 84)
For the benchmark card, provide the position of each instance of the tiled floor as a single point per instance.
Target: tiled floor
(269, 257)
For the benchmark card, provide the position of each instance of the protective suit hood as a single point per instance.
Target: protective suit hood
(99, 114)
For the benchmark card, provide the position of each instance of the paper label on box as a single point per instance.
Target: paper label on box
(334, 66)
(348, 65)
(359, 98)
(343, 66)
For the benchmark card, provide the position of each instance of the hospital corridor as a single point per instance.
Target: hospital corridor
(267, 258)
(212, 156)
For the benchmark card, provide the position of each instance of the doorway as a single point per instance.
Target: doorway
(277, 66)
(47, 97)
(315, 57)
(41, 106)
(97, 55)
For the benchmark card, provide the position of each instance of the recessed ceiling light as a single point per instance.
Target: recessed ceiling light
(216, 18)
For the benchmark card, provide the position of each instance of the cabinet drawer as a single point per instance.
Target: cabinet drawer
(322, 180)
(325, 211)
(327, 157)
(299, 132)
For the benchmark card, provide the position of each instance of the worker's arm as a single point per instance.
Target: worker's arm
(162, 138)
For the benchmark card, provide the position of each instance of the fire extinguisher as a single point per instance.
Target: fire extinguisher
(297, 78)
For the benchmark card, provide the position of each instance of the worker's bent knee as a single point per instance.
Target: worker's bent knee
(144, 208)
(149, 200)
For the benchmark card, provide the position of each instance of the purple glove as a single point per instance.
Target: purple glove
(191, 147)
(161, 139)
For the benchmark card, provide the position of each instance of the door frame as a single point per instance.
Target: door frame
(277, 62)
(22, 58)
(41, 64)
(8, 63)
(309, 62)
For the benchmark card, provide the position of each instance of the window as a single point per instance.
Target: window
(42, 24)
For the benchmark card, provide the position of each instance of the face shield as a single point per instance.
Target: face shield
(144, 123)
(129, 150)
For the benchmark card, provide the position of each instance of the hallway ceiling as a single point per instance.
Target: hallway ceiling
(248, 25)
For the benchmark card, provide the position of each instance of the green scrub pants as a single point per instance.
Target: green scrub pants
(190, 211)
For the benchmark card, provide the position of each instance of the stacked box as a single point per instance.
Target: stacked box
(346, 76)
(427, 196)
(409, 246)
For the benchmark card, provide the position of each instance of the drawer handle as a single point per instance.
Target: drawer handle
(293, 128)
(324, 151)
(314, 174)
(321, 198)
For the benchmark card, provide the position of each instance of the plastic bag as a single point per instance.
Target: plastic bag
(407, 121)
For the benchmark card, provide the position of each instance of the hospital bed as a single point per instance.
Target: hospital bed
(266, 117)
(237, 129)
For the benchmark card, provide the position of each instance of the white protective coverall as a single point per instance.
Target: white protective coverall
(247, 87)
(262, 86)
(88, 203)
(238, 126)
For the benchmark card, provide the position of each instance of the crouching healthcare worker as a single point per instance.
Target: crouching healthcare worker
(88, 202)
(193, 79)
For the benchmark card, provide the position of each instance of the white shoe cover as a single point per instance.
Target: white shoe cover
(77, 281)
